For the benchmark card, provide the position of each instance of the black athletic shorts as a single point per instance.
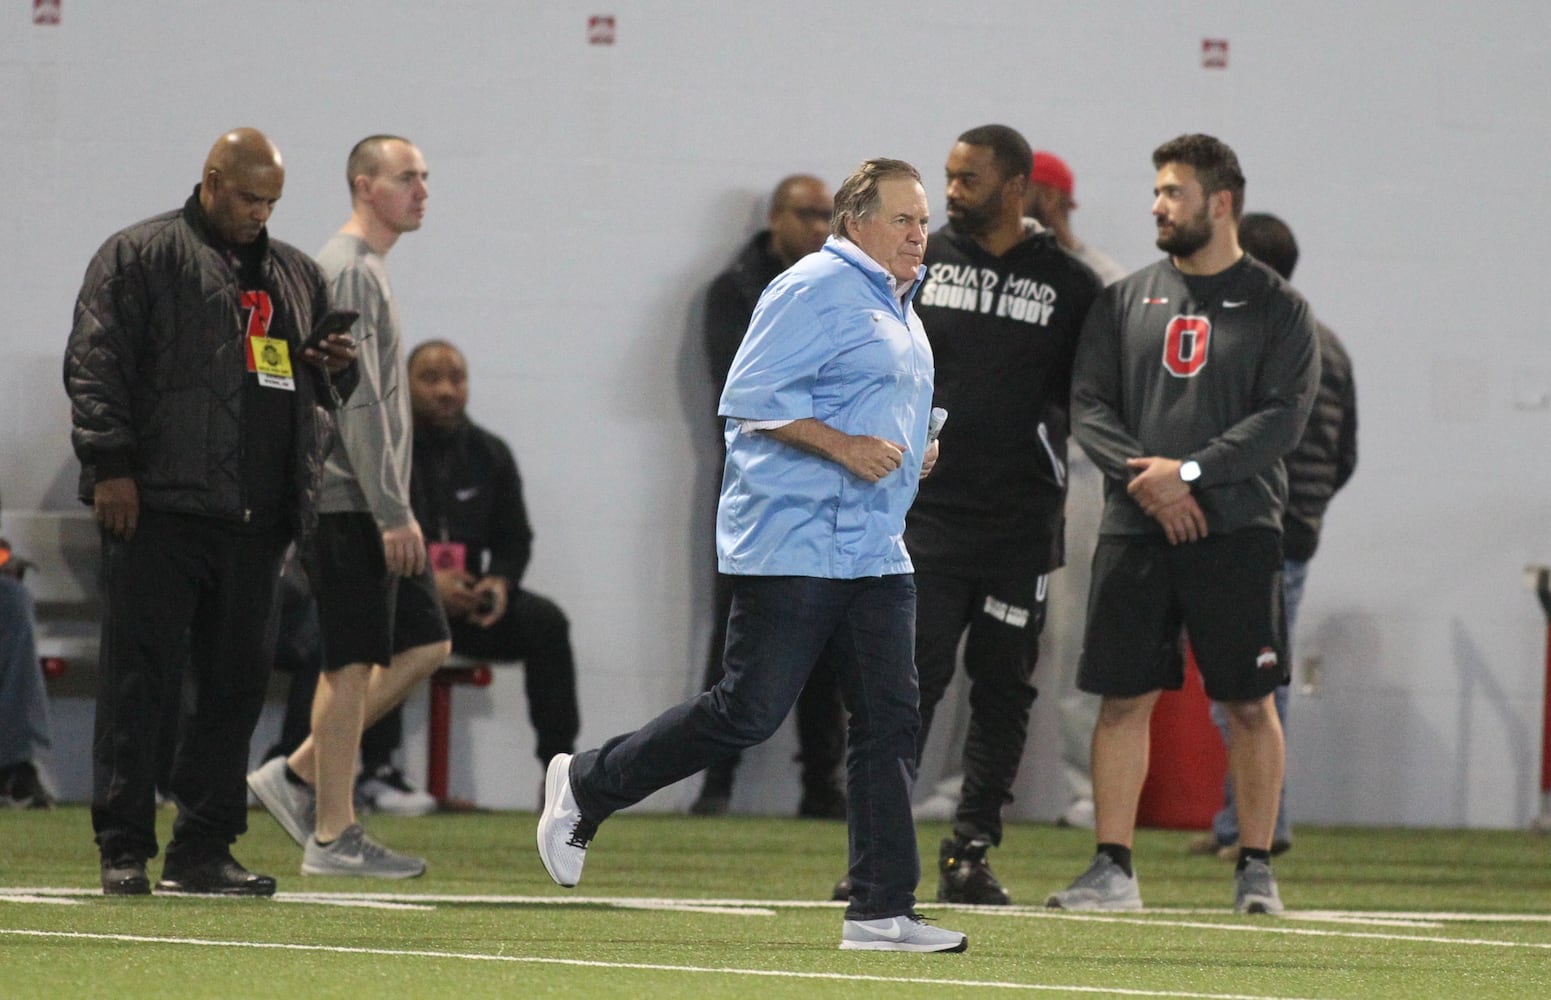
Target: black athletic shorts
(367, 614)
(1224, 590)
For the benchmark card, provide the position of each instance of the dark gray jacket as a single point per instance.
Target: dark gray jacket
(155, 367)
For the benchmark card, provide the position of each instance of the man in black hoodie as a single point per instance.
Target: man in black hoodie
(467, 495)
(1002, 304)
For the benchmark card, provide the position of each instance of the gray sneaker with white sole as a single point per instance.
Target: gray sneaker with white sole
(294, 807)
(909, 932)
(1254, 889)
(1104, 886)
(355, 853)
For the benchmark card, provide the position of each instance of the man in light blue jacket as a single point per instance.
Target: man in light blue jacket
(827, 407)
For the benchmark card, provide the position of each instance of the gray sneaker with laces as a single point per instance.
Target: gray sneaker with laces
(909, 932)
(1254, 889)
(294, 807)
(354, 853)
(1102, 887)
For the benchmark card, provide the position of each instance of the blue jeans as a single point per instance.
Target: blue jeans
(24, 722)
(778, 629)
(1225, 825)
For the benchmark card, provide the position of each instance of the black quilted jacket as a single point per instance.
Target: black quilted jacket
(1326, 455)
(155, 367)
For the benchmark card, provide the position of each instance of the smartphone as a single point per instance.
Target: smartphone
(336, 321)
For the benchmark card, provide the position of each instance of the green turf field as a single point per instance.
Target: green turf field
(674, 907)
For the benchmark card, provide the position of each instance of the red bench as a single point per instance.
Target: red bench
(457, 671)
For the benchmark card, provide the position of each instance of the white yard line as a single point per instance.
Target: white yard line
(768, 907)
(649, 967)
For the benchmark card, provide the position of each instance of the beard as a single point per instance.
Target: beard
(974, 220)
(1188, 236)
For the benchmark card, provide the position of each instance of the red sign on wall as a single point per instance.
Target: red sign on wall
(45, 11)
(1214, 53)
(600, 29)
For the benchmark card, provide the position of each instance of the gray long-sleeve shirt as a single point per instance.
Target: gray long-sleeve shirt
(368, 467)
(1227, 382)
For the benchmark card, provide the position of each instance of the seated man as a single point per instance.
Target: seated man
(24, 724)
(467, 494)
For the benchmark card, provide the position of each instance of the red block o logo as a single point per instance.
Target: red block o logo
(1185, 343)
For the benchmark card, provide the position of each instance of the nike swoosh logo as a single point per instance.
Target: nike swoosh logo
(348, 860)
(894, 933)
(465, 496)
(1234, 305)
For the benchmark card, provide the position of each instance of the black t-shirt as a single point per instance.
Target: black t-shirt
(268, 413)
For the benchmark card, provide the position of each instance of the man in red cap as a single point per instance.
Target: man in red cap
(1049, 201)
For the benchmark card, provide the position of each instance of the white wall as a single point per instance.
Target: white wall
(583, 196)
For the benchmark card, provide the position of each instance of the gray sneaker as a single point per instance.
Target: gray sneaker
(354, 853)
(563, 835)
(1102, 887)
(1254, 890)
(294, 807)
(909, 932)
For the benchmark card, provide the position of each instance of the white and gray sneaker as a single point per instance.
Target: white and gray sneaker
(386, 790)
(909, 932)
(1104, 886)
(563, 835)
(354, 853)
(1254, 889)
(294, 807)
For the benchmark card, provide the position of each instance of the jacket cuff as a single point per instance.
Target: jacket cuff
(113, 465)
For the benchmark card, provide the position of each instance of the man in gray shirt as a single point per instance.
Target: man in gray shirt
(383, 626)
(1193, 377)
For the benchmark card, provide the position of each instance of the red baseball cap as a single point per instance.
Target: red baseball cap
(1052, 170)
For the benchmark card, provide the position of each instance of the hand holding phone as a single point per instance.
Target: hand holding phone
(336, 321)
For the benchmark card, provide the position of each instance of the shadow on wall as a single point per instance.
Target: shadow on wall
(697, 404)
(1477, 683)
(1344, 733)
(698, 396)
(61, 493)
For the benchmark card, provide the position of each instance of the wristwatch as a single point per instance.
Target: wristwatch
(1190, 471)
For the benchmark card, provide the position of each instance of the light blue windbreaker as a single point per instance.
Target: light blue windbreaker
(828, 340)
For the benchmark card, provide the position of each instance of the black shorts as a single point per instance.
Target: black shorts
(1225, 591)
(368, 614)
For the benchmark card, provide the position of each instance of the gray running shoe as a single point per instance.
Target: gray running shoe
(1102, 887)
(909, 932)
(294, 807)
(1254, 890)
(354, 853)
(563, 835)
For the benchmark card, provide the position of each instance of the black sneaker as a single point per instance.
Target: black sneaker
(125, 876)
(21, 789)
(212, 874)
(822, 800)
(964, 875)
(715, 793)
